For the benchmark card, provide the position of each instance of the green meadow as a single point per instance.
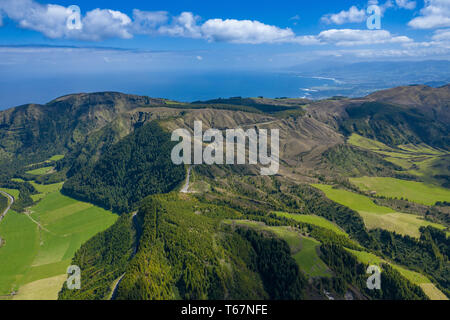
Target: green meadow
(21, 237)
(56, 157)
(308, 259)
(303, 249)
(14, 192)
(45, 189)
(376, 216)
(40, 171)
(395, 188)
(420, 160)
(314, 220)
(54, 229)
(362, 142)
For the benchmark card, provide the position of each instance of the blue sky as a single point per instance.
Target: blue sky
(290, 26)
(125, 37)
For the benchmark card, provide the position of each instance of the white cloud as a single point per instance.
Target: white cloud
(351, 15)
(406, 4)
(99, 24)
(188, 25)
(352, 37)
(148, 21)
(435, 14)
(383, 7)
(442, 35)
(244, 31)
(51, 20)
(355, 15)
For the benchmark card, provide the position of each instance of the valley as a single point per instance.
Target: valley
(40, 244)
(361, 181)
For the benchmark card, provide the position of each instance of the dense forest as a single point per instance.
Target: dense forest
(350, 271)
(103, 259)
(395, 125)
(137, 166)
(429, 254)
(185, 252)
(3, 203)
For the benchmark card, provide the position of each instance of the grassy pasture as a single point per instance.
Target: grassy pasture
(45, 189)
(21, 237)
(309, 261)
(56, 157)
(420, 160)
(14, 192)
(40, 171)
(413, 191)
(303, 249)
(314, 220)
(52, 159)
(38, 261)
(44, 289)
(376, 216)
(362, 142)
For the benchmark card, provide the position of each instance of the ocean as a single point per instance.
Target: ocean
(180, 86)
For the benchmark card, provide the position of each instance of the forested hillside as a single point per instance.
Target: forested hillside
(185, 252)
(137, 166)
(362, 181)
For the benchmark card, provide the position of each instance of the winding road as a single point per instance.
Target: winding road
(185, 188)
(11, 201)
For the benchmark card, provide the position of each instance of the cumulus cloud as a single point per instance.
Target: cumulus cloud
(406, 4)
(442, 35)
(146, 22)
(188, 25)
(99, 24)
(51, 20)
(244, 31)
(356, 15)
(184, 25)
(351, 15)
(352, 37)
(435, 14)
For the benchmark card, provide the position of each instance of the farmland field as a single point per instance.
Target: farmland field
(55, 228)
(395, 188)
(16, 256)
(309, 261)
(45, 189)
(303, 249)
(420, 160)
(376, 216)
(314, 220)
(40, 171)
